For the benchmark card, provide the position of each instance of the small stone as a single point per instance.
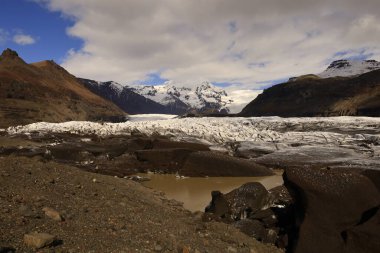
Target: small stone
(185, 249)
(7, 250)
(94, 180)
(53, 214)
(26, 211)
(158, 248)
(231, 249)
(38, 240)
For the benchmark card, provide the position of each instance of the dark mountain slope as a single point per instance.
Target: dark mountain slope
(311, 96)
(125, 97)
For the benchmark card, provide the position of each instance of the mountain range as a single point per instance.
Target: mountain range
(168, 98)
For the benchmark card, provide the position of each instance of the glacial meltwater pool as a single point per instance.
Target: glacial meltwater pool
(195, 192)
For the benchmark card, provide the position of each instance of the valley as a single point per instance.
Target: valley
(311, 154)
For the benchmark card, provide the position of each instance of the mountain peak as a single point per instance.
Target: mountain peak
(10, 55)
(345, 68)
(195, 96)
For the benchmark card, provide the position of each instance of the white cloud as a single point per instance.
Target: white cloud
(243, 41)
(241, 98)
(23, 39)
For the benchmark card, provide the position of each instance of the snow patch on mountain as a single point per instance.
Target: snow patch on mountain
(345, 68)
(116, 87)
(197, 96)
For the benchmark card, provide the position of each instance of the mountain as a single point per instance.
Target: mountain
(44, 91)
(312, 95)
(169, 98)
(124, 97)
(202, 97)
(346, 68)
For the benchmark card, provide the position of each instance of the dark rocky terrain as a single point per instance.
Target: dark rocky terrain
(313, 96)
(317, 210)
(53, 184)
(44, 91)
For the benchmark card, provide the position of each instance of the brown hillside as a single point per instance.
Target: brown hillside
(338, 96)
(44, 91)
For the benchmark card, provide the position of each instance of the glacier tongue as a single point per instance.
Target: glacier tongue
(271, 141)
(332, 130)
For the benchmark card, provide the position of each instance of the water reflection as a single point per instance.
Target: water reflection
(195, 192)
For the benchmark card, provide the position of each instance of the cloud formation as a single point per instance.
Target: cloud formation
(243, 42)
(23, 39)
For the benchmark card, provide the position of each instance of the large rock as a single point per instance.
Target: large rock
(239, 203)
(338, 210)
(250, 208)
(248, 198)
(215, 164)
(39, 240)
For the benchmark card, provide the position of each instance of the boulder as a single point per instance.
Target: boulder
(337, 211)
(248, 198)
(38, 240)
(280, 196)
(52, 214)
(218, 205)
(252, 228)
(239, 203)
(213, 164)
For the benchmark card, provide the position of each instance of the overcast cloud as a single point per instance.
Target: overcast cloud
(244, 42)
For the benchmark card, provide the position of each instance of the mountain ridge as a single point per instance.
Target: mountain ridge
(311, 96)
(168, 98)
(44, 91)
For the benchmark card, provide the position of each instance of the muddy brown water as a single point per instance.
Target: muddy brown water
(195, 192)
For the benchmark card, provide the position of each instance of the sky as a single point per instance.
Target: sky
(241, 45)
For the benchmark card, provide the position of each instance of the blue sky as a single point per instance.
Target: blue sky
(47, 28)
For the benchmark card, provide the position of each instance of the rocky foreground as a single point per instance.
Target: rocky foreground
(87, 212)
(330, 200)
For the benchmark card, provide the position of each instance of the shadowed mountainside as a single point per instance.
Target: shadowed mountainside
(310, 96)
(126, 98)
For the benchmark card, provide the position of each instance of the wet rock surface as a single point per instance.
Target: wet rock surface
(127, 155)
(337, 210)
(333, 209)
(256, 212)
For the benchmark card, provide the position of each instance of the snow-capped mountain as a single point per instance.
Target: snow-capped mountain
(169, 98)
(199, 97)
(346, 68)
